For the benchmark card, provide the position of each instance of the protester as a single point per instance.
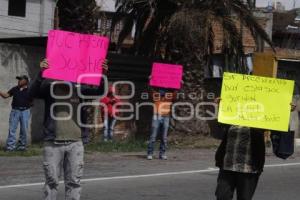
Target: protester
(109, 113)
(241, 159)
(163, 99)
(20, 113)
(63, 146)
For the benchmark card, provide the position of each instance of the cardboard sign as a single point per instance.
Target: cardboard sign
(166, 75)
(75, 57)
(256, 101)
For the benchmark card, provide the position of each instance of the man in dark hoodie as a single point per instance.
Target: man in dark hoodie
(63, 146)
(241, 158)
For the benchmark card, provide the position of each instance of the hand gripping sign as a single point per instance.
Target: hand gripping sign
(166, 75)
(71, 55)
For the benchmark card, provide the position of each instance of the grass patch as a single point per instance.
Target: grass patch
(120, 146)
(33, 150)
(138, 145)
(175, 142)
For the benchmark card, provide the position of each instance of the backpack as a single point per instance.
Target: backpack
(283, 143)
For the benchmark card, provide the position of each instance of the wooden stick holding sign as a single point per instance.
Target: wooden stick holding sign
(75, 57)
(166, 75)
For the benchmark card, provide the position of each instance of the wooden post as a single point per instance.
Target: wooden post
(265, 64)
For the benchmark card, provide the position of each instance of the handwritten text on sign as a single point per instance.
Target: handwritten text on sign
(166, 75)
(255, 101)
(75, 57)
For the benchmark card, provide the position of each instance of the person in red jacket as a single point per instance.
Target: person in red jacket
(109, 113)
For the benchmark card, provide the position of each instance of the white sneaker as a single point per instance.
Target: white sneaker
(163, 157)
(149, 157)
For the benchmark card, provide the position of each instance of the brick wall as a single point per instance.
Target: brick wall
(248, 40)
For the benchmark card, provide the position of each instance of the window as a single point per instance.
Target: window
(17, 8)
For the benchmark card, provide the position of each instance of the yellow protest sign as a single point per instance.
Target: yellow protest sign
(256, 101)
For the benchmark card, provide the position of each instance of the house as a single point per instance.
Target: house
(286, 38)
(218, 65)
(286, 29)
(26, 18)
(106, 14)
(23, 29)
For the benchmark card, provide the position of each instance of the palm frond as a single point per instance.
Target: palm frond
(250, 21)
(78, 16)
(170, 22)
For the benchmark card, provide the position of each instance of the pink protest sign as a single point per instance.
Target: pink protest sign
(75, 57)
(166, 75)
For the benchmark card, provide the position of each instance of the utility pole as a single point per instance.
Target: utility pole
(294, 5)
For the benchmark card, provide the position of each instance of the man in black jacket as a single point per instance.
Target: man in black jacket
(63, 146)
(241, 159)
(20, 113)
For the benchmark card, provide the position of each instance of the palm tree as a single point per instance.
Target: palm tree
(165, 23)
(78, 15)
(183, 31)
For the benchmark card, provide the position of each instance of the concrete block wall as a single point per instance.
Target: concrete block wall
(37, 22)
(16, 60)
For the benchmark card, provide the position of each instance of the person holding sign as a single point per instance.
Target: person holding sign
(163, 99)
(165, 79)
(241, 159)
(63, 146)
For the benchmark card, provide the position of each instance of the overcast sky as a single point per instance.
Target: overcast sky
(287, 3)
(107, 5)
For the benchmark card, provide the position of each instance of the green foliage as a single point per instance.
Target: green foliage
(33, 150)
(186, 26)
(78, 15)
(122, 146)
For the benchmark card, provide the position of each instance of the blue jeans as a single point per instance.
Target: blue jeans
(16, 117)
(160, 124)
(109, 125)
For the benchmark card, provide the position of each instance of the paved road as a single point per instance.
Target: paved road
(187, 175)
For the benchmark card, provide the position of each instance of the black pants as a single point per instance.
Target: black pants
(244, 184)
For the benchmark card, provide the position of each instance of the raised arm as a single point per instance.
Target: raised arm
(34, 87)
(5, 95)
